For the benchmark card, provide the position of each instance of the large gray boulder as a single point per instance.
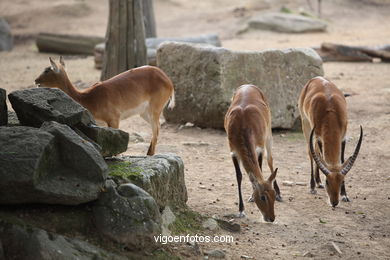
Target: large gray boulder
(6, 40)
(49, 165)
(205, 79)
(162, 176)
(37, 105)
(21, 241)
(283, 22)
(3, 107)
(127, 214)
(112, 141)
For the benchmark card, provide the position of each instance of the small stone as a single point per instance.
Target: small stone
(336, 248)
(216, 253)
(246, 257)
(210, 224)
(288, 183)
(307, 254)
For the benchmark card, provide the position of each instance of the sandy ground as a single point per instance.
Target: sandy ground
(305, 223)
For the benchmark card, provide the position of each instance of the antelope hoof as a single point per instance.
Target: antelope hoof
(241, 214)
(345, 199)
(279, 198)
(320, 185)
(251, 199)
(313, 192)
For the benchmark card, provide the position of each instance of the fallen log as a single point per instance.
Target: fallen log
(67, 44)
(338, 52)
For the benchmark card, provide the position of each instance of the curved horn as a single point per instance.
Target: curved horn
(318, 160)
(349, 163)
(273, 175)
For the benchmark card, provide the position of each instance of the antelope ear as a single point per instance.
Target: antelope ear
(54, 65)
(273, 175)
(62, 61)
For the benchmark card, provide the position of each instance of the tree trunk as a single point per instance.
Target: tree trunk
(125, 38)
(67, 44)
(150, 22)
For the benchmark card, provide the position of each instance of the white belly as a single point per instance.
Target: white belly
(140, 109)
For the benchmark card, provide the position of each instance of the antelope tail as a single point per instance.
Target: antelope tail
(172, 100)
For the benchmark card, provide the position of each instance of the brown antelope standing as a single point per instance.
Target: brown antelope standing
(324, 115)
(141, 91)
(248, 126)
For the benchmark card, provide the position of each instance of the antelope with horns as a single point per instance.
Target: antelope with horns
(144, 91)
(323, 110)
(248, 126)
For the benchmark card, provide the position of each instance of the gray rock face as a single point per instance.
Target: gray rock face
(3, 107)
(205, 79)
(50, 165)
(289, 23)
(112, 141)
(6, 41)
(127, 214)
(13, 119)
(168, 218)
(25, 242)
(37, 105)
(162, 176)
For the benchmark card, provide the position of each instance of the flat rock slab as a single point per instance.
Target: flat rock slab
(50, 165)
(290, 23)
(21, 241)
(205, 79)
(162, 176)
(127, 214)
(37, 105)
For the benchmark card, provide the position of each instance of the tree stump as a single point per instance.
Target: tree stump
(125, 38)
(149, 20)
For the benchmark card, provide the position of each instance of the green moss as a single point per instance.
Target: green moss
(187, 222)
(125, 170)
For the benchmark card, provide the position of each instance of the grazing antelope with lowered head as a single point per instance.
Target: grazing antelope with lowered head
(140, 91)
(248, 126)
(323, 111)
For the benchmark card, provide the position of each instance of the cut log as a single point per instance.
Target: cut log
(67, 44)
(338, 52)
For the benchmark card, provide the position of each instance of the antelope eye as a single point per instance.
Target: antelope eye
(263, 198)
(326, 182)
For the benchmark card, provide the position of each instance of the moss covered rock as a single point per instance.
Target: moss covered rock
(162, 176)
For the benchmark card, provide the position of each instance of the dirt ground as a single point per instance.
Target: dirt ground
(305, 223)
